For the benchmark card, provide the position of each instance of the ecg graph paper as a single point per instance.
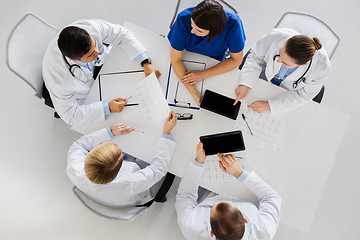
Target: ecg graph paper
(267, 129)
(213, 173)
(151, 99)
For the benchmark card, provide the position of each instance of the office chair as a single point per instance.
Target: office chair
(26, 47)
(311, 26)
(125, 214)
(183, 4)
(159, 190)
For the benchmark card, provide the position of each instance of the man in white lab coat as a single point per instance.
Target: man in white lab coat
(97, 168)
(205, 215)
(71, 61)
(292, 61)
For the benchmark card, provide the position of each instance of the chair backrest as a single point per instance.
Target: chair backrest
(183, 4)
(311, 26)
(125, 214)
(26, 47)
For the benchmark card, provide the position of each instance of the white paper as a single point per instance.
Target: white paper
(176, 89)
(119, 85)
(151, 98)
(213, 173)
(267, 129)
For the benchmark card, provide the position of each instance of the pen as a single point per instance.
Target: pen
(131, 104)
(243, 116)
(138, 131)
(125, 100)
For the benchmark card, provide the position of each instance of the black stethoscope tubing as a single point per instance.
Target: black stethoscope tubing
(302, 78)
(71, 66)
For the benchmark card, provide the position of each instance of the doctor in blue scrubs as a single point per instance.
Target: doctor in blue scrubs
(210, 30)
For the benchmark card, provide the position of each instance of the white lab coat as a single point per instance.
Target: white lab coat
(262, 57)
(68, 93)
(131, 185)
(194, 217)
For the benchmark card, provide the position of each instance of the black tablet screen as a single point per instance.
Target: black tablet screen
(223, 142)
(220, 104)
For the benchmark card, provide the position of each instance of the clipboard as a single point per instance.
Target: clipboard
(119, 84)
(176, 93)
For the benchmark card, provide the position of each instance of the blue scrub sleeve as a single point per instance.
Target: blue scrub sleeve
(237, 38)
(177, 34)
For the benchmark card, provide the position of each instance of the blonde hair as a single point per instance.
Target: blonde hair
(103, 163)
(302, 48)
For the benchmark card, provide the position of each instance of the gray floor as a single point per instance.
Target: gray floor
(36, 198)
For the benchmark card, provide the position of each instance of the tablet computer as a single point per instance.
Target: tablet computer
(220, 104)
(223, 142)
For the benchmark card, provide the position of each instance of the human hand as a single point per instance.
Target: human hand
(149, 68)
(200, 153)
(241, 91)
(192, 77)
(117, 104)
(260, 106)
(121, 129)
(229, 164)
(170, 123)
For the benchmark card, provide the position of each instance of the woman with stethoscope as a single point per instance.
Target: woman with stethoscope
(289, 60)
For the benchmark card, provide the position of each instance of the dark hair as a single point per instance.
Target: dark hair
(209, 15)
(74, 42)
(302, 48)
(228, 222)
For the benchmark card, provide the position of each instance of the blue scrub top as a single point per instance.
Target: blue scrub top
(232, 37)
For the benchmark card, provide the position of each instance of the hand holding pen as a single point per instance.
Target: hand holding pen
(131, 104)
(117, 104)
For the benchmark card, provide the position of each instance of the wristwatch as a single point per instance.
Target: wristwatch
(145, 61)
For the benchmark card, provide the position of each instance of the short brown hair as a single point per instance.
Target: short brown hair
(103, 163)
(209, 15)
(228, 222)
(302, 48)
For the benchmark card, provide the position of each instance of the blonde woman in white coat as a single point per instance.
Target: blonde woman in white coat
(69, 66)
(97, 168)
(290, 60)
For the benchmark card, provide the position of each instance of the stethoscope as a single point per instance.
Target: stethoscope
(71, 66)
(302, 78)
(74, 66)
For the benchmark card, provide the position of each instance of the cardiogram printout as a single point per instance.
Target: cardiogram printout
(267, 129)
(151, 98)
(213, 173)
